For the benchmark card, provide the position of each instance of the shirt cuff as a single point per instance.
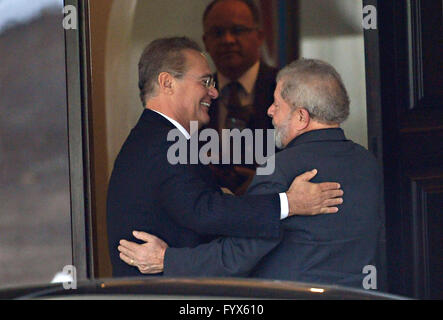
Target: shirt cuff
(284, 206)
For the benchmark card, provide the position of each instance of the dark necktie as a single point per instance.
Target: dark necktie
(238, 116)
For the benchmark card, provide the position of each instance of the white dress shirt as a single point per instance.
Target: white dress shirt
(284, 204)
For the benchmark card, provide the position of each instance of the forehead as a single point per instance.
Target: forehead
(196, 62)
(227, 13)
(277, 91)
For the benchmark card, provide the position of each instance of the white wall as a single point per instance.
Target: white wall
(331, 31)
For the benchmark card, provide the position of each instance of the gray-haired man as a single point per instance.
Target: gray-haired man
(310, 102)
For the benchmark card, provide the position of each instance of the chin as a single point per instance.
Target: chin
(203, 122)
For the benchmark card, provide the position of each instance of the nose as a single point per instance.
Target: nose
(213, 93)
(228, 37)
(271, 111)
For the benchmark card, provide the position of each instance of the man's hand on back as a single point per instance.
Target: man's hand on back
(147, 257)
(307, 198)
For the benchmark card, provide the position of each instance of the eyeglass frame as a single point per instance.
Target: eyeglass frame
(207, 81)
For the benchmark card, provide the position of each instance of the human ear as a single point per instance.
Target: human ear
(303, 118)
(165, 82)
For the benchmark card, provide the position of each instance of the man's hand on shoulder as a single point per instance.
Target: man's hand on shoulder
(307, 198)
(147, 257)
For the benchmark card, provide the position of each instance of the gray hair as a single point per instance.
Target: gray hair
(316, 86)
(162, 55)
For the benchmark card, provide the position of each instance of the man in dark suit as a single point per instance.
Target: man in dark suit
(233, 37)
(310, 102)
(181, 203)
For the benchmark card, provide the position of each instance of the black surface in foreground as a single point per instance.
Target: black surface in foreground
(193, 289)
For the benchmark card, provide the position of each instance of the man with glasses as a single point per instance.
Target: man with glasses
(233, 37)
(181, 203)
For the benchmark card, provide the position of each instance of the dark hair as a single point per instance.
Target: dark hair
(162, 55)
(251, 5)
(316, 86)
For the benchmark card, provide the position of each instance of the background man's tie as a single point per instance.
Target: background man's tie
(238, 116)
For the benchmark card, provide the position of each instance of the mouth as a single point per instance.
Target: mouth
(229, 52)
(206, 104)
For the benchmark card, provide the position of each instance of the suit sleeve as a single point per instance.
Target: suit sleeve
(198, 204)
(222, 257)
(229, 256)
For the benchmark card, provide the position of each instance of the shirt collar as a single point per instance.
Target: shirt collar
(247, 79)
(176, 124)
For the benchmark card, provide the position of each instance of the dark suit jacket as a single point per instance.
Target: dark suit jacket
(329, 249)
(178, 203)
(263, 97)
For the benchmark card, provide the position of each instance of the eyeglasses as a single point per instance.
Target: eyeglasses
(218, 32)
(208, 81)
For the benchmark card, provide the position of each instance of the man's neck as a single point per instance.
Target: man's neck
(314, 125)
(163, 105)
(165, 111)
(164, 108)
(183, 130)
(245, 77)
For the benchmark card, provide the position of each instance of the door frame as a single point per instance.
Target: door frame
(79, 137)
(375, 129)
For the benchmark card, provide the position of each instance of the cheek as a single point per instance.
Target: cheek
(251, 46)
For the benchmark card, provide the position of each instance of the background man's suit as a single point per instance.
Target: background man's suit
(263, 97)
(181, 204)
(321, 249)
